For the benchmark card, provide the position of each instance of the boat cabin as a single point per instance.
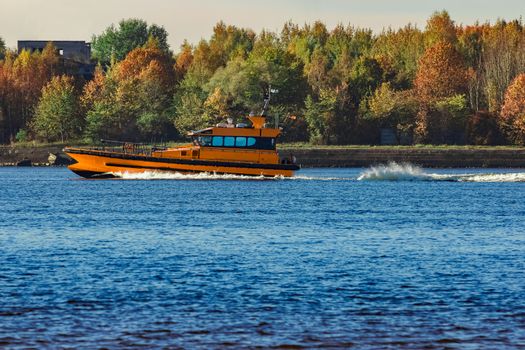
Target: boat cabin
(238, 136)
(228, 141)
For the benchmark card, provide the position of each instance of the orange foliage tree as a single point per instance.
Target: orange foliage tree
(513, 110)
(183, 61)
(21, 83)
(133, 98)
(441, 74)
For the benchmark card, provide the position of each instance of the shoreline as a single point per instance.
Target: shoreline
(327, 156)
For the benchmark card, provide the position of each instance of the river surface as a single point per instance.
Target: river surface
(389, 257)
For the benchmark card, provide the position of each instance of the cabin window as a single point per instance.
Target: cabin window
(205, 140)
(240, 141)
(266, 143)
(261, 143)
(217, 141)
(229, 141)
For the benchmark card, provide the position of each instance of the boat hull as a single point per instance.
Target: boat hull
(104, 164)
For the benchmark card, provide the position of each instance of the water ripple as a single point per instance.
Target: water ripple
(285, 264)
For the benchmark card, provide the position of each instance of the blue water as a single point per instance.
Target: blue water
(320, 261)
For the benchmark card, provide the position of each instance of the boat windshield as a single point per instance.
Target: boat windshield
(266, 143)
(203, 140)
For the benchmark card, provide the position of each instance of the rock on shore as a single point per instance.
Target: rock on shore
(33, 156)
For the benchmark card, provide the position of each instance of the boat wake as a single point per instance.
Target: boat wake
(409, 172)
(166, 175)
(387, 172)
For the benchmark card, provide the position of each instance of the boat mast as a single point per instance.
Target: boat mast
(267, 95)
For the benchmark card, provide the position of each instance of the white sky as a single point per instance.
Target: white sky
(194, 19)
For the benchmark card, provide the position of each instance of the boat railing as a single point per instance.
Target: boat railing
(127, 147)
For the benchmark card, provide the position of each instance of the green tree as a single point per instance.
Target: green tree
(2, 48)
(450, 119)
(130, 34)
(365, 76)
(398, 51)
(102, 121)
(228, 42)
(190, 111)
(320, 117)
(393, 109)
(242, 81)
(57, 113)
(160, 35)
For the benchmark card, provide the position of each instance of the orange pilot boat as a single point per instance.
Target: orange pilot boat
(227, 148)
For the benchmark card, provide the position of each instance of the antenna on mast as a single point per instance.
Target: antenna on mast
(267, 96)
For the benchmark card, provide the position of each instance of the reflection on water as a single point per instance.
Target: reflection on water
(323, 260)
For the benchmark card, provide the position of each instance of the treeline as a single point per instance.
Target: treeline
(446, 84)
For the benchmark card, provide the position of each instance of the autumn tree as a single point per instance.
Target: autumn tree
(513, 111)
(441, 75)
(440, 28)
(393, 109)
(57, 114)
(343, 83)
(117, 42)
(133, 99)
(183, 61)
(23, 77)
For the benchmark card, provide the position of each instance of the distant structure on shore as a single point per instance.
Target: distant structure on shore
(76, 55)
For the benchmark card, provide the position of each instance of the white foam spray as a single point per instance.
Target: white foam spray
(409, 172)
(386, 172)
(394, 172)
(168, 175)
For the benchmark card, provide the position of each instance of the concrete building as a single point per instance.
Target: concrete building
(79, 51)
(76, 55)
